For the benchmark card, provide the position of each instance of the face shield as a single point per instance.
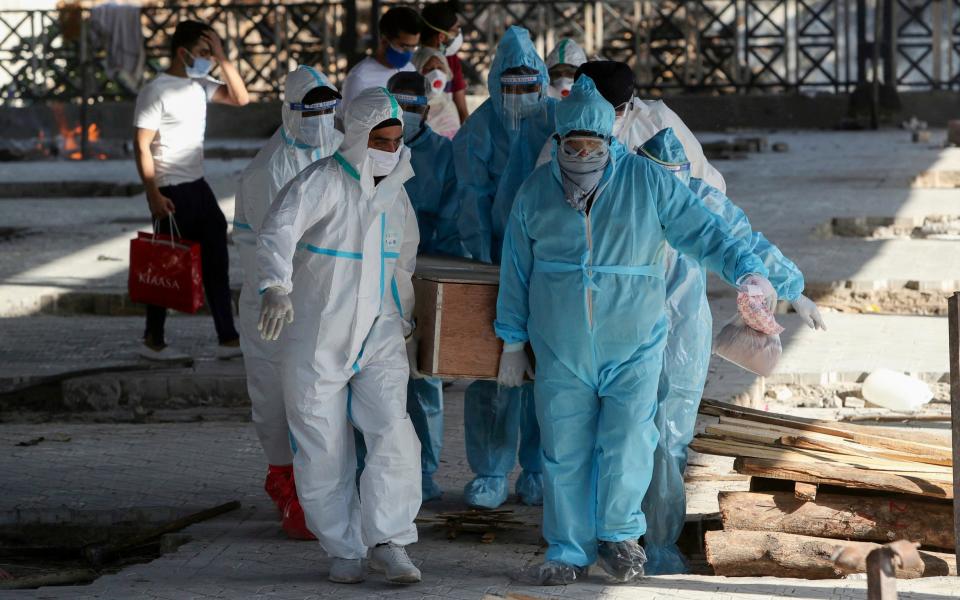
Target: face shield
(414, 115)
(317, 124)
(522, 97)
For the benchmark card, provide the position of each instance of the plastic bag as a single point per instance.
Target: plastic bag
(748, 348)
(896, 391)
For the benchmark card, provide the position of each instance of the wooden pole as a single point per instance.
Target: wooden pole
(954, 318)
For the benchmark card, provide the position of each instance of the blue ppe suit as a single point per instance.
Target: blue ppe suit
(434, 196)
(687, 358)
(492, 159)
(587, 289)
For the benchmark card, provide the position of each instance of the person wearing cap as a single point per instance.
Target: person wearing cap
(639, 120)
(434, 196)
(399, 38)
(494, 152)
(582, 280)
(443, 32)
(335, 256)
(306, 135)
(562, 63)
(443, 117)
(687, 354)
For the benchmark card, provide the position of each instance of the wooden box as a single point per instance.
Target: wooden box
(455, 308)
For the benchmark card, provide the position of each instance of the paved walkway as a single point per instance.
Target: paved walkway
(243, 554)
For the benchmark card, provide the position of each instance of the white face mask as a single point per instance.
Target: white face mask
(560, 88)
(383, 162)
(453, 45)
(320, 133)
(436, 82)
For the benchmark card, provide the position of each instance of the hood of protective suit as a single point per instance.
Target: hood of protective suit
(367, 110)
(295, 87)
(423, 55)
(514, 50)
(665, 149)
(585, 109)
(567, 52)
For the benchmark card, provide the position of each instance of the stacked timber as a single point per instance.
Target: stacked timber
(819, 486)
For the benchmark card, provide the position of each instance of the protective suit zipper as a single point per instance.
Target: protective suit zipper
(589, 271)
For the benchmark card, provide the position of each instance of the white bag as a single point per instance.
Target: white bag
(748, 348)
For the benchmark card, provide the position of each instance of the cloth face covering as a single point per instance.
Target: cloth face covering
(436, 82)
(580, 175)
(398, 58)
(454, 45)
(200, 68)
(383, 161)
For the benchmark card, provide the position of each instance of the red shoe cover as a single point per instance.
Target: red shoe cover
(279, 485)
(294, 523)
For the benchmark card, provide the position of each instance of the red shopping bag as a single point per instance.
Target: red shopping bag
(165, 271)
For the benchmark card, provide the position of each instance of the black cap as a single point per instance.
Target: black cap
(614, 80)
(409, 82)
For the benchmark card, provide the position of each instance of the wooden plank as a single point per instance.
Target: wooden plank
(844, 430)
(849, 477)
(765, 554)
(745, 430)
(842, 516)
(806, 492)
(954, 319)
(428, 325)
(706, 445)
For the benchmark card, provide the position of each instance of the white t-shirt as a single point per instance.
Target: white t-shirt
(366, 74)
(176, 108)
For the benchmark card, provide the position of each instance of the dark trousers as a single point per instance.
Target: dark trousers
(199, 219)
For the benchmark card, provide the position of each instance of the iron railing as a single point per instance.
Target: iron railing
(723, 46)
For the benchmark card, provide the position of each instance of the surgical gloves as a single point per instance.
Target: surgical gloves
(275, 310)
(514, 364)
(755, 281)
(809, 312)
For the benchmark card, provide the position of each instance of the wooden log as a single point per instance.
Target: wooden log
(805, 491)
(841, 516)
(768, 554)
(850, 477)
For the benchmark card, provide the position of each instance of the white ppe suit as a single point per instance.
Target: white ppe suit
(279, 161)
(345, 250)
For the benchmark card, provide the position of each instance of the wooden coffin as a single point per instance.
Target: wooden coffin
(456, 304)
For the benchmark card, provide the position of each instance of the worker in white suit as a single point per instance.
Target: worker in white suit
(336, 253)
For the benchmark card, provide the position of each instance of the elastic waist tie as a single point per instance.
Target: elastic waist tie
(546, 266)
(239, 225)
(330, 251)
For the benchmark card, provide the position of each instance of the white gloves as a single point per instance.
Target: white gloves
(412, 343)
(809, 312)
(275, 309)
(761, 282)
(513, 365)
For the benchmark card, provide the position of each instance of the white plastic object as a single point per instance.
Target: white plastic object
(748, 348)
(895, 391)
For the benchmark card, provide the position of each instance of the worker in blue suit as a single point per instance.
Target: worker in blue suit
(494, 151)
(687, 355)
(433, 194)
(582, 281)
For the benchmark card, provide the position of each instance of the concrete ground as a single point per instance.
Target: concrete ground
(176, 439)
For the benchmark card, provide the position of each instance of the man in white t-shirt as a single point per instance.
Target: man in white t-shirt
(170, 119)
(399, 39)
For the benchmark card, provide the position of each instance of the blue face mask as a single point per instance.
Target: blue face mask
(397, 58)
(200, 68)
(412, 122)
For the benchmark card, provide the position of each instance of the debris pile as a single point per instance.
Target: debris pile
(819, 487)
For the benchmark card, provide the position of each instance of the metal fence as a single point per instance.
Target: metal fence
(722, 46)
